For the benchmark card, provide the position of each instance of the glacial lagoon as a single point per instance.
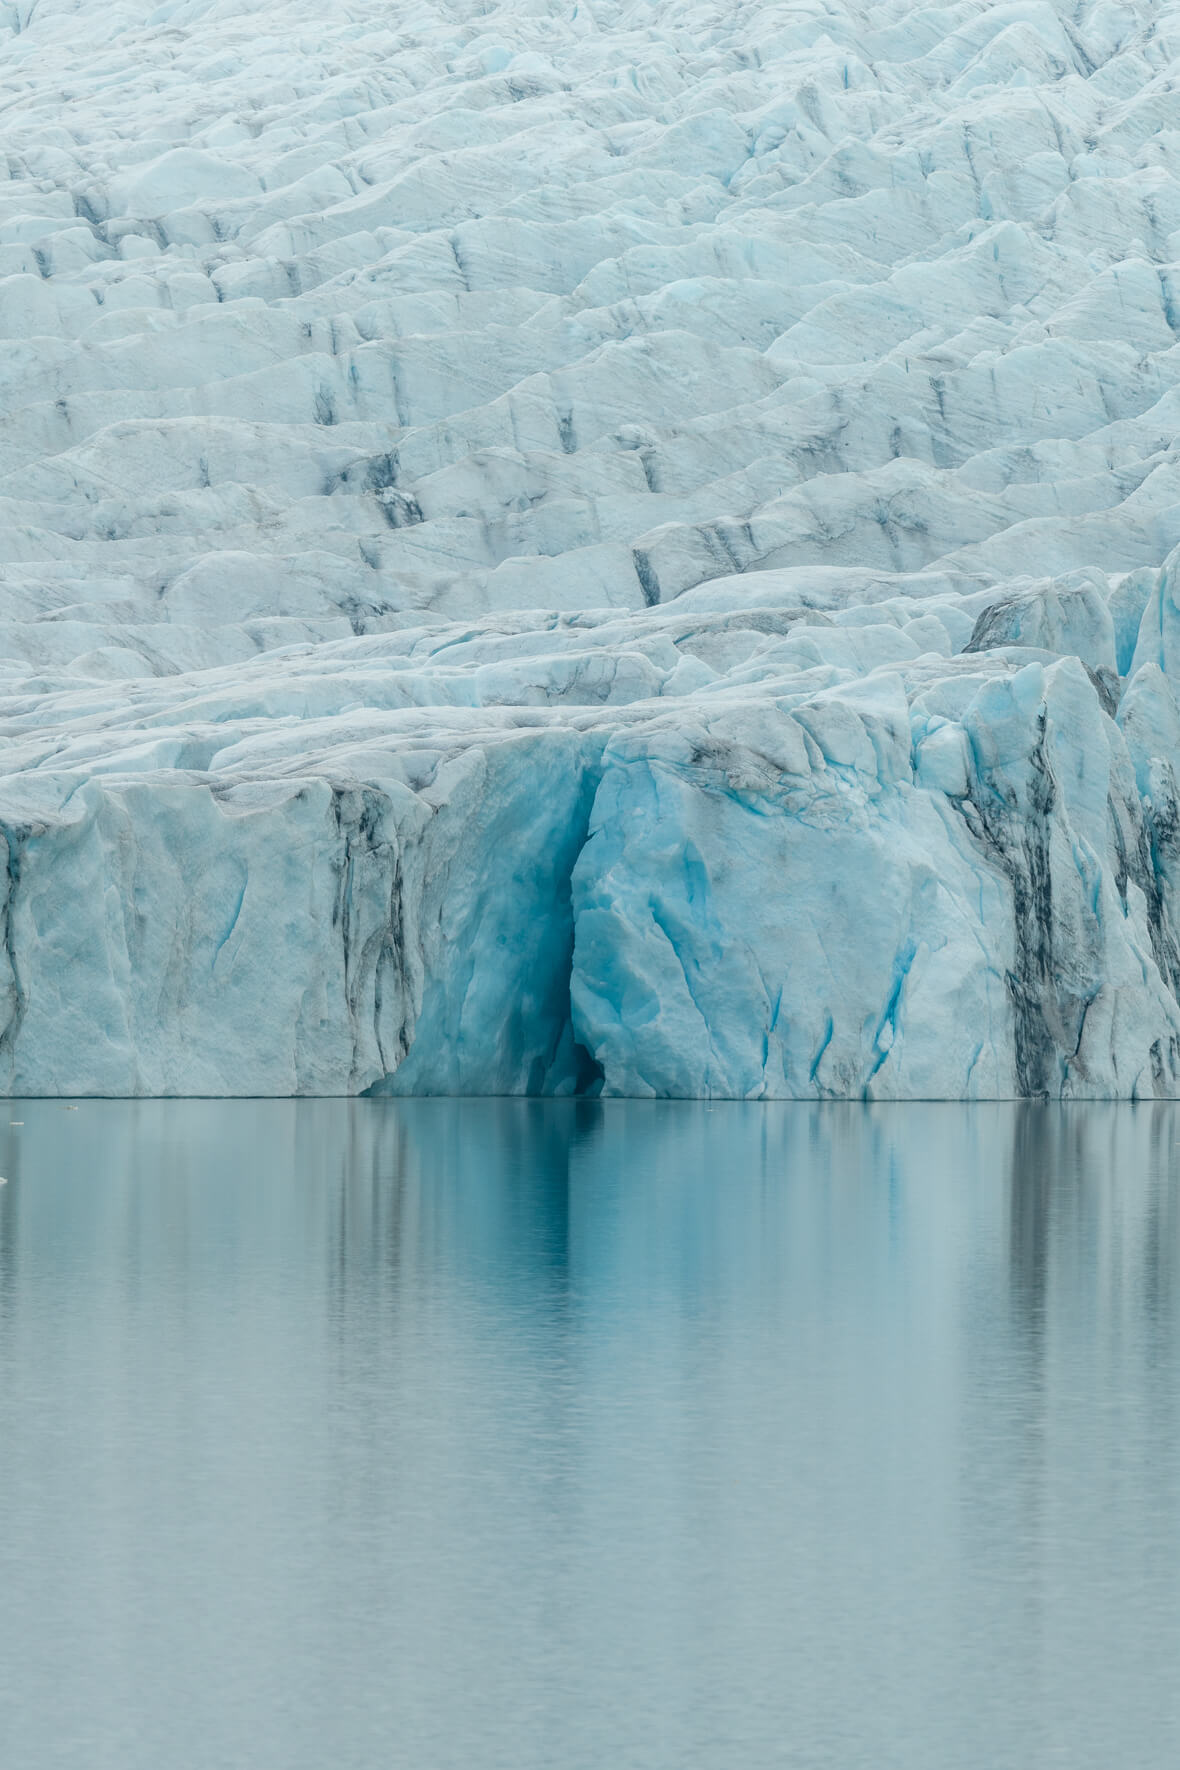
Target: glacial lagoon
(510, 1435)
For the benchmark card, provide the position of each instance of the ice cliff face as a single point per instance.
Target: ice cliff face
(590, 545)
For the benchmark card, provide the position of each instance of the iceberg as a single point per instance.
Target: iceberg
(576, 547)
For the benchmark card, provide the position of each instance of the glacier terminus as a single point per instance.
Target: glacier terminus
(565, 546)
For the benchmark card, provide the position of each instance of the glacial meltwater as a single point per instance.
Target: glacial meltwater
(508, 1435)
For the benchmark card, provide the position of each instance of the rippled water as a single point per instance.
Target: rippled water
(482, 1434)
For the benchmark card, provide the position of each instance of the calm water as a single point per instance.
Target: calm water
(634, 1437)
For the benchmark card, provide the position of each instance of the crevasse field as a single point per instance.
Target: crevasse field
(587, 545)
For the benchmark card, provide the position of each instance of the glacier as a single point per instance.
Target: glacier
(564, 546)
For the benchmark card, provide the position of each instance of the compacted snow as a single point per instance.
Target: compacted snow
(595, 545)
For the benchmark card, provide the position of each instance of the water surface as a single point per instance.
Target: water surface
(540, 1436)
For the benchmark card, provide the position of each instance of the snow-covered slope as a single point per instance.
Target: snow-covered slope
(583, 545)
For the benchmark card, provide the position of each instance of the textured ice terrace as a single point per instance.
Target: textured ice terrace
(590, 546)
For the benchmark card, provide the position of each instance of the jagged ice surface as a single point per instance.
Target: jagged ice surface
(549, 547)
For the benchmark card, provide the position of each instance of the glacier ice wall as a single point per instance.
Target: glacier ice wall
(574, 544)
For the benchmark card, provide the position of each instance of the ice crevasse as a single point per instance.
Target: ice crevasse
(590, 547)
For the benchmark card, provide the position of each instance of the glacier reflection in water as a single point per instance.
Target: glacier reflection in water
(485, 1434)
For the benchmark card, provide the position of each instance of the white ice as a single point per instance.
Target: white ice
(590, 546)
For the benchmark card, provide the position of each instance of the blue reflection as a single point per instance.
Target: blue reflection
(518, 1433)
